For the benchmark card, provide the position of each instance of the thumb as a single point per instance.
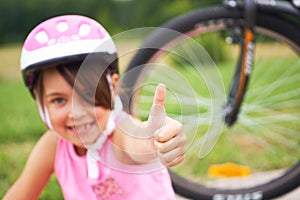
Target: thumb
(160, 95)
(157, 114)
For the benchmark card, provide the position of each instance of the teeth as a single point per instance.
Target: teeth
(83, 127)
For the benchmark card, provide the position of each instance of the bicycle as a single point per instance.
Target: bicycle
(257, 117)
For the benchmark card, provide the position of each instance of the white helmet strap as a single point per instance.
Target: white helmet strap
(44, 114)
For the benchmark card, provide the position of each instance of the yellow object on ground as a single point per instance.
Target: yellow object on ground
(228, 170)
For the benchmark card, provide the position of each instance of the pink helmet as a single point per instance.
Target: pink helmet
(65, 39)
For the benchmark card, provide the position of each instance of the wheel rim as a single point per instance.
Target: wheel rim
(264, 140)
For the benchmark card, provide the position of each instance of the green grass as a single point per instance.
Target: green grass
(19, 116)
(20, 125)
(13, 157)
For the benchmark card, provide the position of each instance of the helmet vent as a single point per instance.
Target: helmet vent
(84, 30)
(42, 37)
(62, 27)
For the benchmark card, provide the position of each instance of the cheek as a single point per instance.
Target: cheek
(57, 118)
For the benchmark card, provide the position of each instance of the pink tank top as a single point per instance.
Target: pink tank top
(116, 180)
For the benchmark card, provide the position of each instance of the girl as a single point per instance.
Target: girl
(96, 150)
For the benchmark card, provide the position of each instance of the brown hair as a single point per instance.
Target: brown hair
(88, 80)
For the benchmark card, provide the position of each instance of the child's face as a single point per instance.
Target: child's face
(71, 117)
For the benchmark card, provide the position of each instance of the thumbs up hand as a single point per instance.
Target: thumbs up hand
(159, 137)
(169, 138)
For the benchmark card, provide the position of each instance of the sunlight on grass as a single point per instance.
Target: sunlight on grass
(10, 61)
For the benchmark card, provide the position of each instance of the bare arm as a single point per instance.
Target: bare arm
(37, 171)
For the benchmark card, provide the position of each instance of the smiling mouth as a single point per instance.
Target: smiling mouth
(81, 129)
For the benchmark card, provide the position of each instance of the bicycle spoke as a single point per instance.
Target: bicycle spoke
(265, 136)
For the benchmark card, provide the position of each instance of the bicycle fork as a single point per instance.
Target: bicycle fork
(245, 62)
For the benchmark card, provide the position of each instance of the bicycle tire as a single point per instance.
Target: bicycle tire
(274, 27)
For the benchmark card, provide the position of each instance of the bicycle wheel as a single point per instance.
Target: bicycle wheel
(257, 157)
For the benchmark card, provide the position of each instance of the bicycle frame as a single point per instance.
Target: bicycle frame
(247, 44)
(244, 65)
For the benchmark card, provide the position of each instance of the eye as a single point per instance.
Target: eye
(58, 100)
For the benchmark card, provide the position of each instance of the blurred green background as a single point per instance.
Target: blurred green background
(18, 17)
(20, 125)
